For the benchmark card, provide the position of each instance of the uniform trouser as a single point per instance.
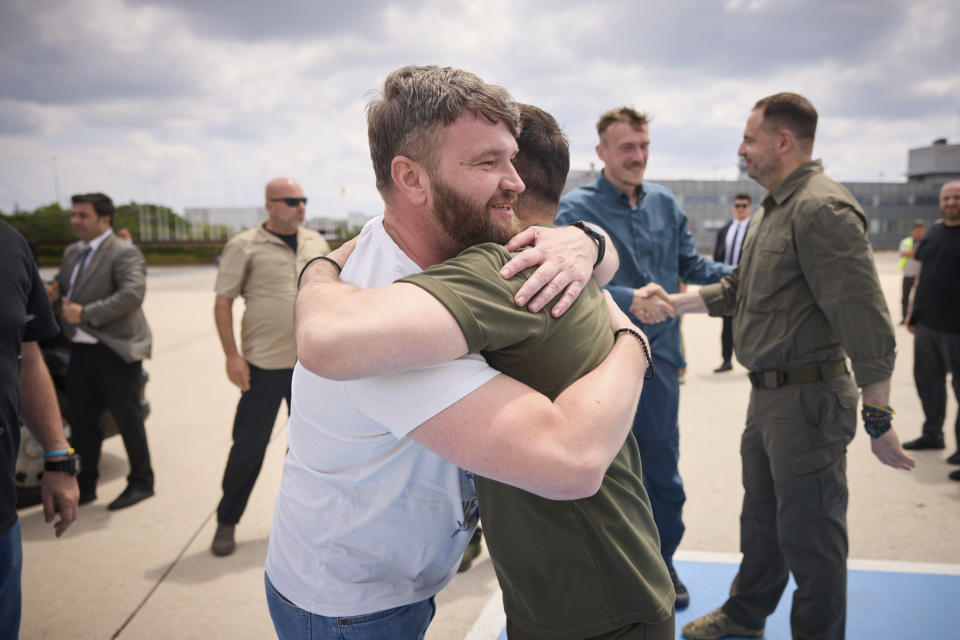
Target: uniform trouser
(936, 353)
(99, 379)
(252, 426)
(658, 437)
(905, 288)
(794, 506)
(726, 339)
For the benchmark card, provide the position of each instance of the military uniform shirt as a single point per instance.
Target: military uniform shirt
(806, 290)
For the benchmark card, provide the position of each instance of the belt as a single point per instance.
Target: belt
(776, 378)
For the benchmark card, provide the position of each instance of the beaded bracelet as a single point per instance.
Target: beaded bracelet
(650, 372)
(878, 409)
(876, 420)
(311, 261)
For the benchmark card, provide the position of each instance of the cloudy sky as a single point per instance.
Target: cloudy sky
(198, 102)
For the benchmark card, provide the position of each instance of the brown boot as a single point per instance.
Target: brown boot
(716, 625)
(223, 543)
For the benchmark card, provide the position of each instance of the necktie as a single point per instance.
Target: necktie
(81, 265)
(737, 241)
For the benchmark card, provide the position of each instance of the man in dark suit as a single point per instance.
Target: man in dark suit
(729, 243)
(99, 292)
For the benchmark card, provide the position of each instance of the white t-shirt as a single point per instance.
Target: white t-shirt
(367, 519)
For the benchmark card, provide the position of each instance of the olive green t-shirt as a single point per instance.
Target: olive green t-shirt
(570, 568)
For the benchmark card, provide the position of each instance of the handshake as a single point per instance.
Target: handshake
(652, 304)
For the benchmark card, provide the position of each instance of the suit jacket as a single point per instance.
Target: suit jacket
(111, 290)
(720, 249)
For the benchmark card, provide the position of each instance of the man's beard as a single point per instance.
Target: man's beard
(467, 222)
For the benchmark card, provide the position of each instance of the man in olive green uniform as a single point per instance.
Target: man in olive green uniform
(804, 298)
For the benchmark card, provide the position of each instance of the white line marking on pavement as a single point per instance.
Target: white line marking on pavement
(892, 566)
(491, 620)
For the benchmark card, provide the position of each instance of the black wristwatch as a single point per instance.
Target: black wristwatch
(596, 233)
(69, 465)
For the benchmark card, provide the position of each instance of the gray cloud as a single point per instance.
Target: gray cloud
(770, 37)
(65, 54)
(188, 99)
(252, 20)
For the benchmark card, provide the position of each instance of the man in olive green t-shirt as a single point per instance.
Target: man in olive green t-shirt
(567, 569)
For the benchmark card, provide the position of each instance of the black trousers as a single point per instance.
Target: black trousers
(935, 354)
(99, 379)
(256, 413)
(726, 339)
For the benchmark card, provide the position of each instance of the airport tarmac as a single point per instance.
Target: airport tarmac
(147, 572)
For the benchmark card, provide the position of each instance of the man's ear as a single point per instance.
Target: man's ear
(786, 143)
(410, 180)
(601, 152)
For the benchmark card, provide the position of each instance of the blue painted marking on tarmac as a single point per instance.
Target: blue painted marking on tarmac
(881, 605)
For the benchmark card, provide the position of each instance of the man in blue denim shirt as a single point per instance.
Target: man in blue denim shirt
(650, 232)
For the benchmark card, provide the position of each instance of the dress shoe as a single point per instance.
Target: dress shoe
(716, 625)
(954, 459)
(726, 366)
(683, 596)
(223, 542)
(954, 475)
(130, 496)
(87, 496)
(924, 442)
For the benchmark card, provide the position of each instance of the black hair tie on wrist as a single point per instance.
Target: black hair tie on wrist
(311, 261)
(650, 372)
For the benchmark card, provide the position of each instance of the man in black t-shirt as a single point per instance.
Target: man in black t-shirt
(934, 318)
(25, 316)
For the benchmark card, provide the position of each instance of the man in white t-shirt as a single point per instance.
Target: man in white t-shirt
(373, 512)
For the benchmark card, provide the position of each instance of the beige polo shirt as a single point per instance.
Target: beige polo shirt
(261, 268)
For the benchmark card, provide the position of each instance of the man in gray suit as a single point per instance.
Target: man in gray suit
(98, 294)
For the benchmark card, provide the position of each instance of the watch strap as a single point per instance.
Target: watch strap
(69, 465)
(594, 232)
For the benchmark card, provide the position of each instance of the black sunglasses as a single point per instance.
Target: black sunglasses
(290, 202)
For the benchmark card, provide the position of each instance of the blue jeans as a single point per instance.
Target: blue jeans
(408, 622)
(11, 566)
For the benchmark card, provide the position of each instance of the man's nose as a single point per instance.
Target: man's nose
(511, 181)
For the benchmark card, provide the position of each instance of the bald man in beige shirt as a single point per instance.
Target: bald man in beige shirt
(261, 265)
